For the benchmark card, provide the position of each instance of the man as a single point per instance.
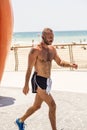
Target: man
(40, 57)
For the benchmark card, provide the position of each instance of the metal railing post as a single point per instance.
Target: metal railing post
(16, 58)
(71, 55)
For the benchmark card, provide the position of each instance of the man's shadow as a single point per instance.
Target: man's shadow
(6, 101)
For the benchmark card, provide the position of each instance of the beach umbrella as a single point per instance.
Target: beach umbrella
(6, 29)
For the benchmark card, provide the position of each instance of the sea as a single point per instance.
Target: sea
(59, 37)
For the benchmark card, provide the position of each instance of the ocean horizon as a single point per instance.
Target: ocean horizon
(59, 37)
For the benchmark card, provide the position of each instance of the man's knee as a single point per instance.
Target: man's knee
(53, 106)
(36, 107)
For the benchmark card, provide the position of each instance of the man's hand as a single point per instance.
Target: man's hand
(26, 90)
(74, 66)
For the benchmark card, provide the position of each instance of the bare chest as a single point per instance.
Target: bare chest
(45, 55)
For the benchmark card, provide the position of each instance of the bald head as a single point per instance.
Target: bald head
(46, 31)
(47, 36)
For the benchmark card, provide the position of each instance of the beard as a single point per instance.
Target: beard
(47, 42)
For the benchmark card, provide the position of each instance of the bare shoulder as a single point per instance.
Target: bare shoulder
(52, 47)
(34, 50)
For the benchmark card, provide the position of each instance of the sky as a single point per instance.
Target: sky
(60, 15)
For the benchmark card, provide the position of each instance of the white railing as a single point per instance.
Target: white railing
(73, 52)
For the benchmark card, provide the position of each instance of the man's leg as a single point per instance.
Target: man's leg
(37, 104)
(52, 106)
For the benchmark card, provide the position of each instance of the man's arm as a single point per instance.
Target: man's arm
(31, 62)
(62, 62)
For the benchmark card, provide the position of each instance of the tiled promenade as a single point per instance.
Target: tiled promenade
(71, 106)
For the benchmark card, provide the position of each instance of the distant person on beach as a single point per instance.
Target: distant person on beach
(32, 43)
(40, 57)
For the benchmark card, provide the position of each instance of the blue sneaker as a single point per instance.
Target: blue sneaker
(20, 125)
